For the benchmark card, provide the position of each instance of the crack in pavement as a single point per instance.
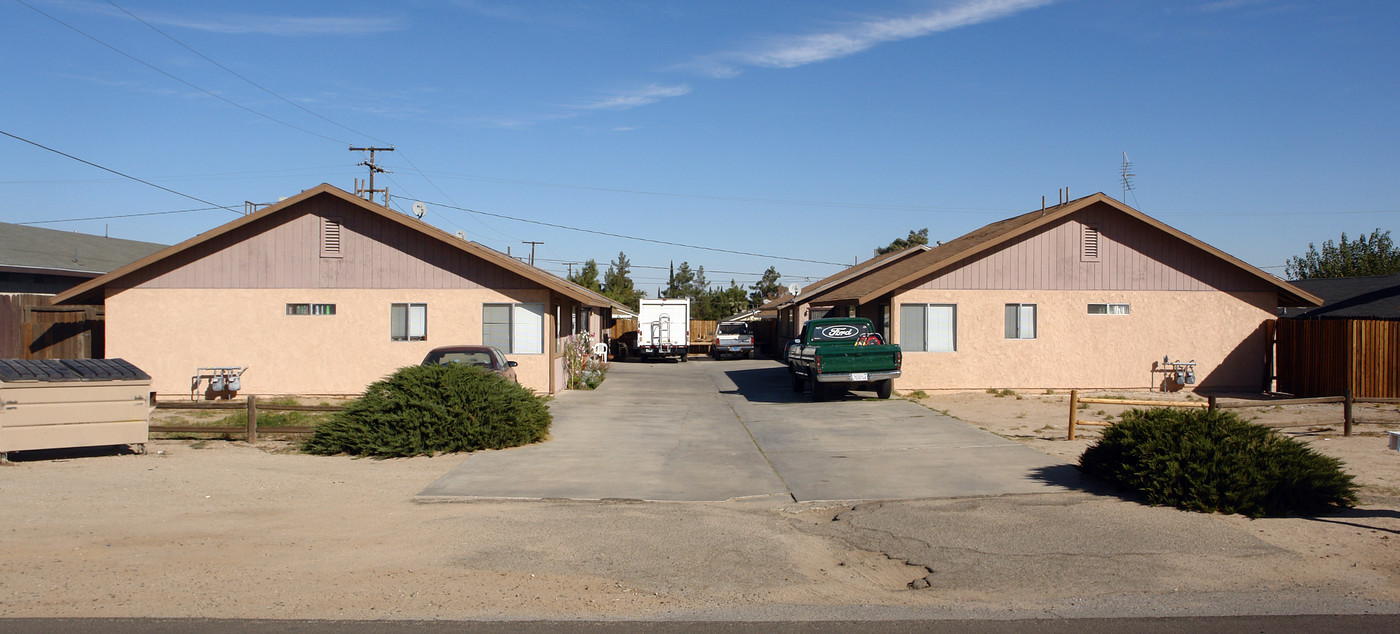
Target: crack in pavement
(722, 395)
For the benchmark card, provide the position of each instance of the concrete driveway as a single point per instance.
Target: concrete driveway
(730, 430)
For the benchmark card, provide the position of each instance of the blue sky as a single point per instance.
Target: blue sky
(807, 133)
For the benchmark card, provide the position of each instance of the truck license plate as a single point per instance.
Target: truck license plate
(860, 376)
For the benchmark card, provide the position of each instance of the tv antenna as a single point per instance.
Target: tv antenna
(368, 193)
(1126, 175)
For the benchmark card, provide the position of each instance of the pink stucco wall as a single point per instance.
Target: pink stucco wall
(171, 332)
(1073, 349)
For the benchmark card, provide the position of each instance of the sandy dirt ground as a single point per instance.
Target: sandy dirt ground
(1365, 537)
(223, 528)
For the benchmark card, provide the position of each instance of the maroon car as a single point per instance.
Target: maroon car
(479, 356)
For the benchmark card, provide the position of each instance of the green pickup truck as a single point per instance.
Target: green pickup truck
(843, 351)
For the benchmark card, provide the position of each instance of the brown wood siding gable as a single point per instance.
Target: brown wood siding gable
(287, 250)
(1132, 256)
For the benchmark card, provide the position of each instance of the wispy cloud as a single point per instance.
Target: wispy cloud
(641, 97)
(283, 25)
(252, 24)
(1229, 5)
(800, 50)
(547, 12)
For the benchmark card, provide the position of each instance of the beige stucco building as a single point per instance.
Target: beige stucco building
(324, 293)
(1087, 294)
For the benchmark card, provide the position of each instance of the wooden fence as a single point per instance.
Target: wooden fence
(702, 331)
(1336, 357)
(1213, 403)
(251, 430)
(31, 327)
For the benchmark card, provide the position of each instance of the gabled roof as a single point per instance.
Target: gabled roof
(1372, 297)
(986, 239)
(91, 291)
(32, 249)
(841, 277)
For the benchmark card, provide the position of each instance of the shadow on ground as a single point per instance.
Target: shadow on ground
(70, 453)
(774, 385)
(764, 385)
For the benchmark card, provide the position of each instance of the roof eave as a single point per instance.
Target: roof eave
(1286, 290)
(93, 289)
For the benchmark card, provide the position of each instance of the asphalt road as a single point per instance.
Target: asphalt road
(1351, 623)
(708, 431)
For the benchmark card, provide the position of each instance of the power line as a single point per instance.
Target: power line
(150, 213)
(108, 169)
(188, 177)
(291, 103)
(639, 239)
(245, 79)
(774, 201)
(191, 85)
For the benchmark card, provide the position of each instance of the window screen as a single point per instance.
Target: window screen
(1020, 321)
(928, 327)
(1108, 309)
(527, 332)
(408, 322)
(513, 328)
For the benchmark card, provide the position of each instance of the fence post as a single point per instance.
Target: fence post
(1211, 405)
(1073, 411)
(252, 418)
(1346, 412)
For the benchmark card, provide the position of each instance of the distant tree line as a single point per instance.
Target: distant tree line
(1367, 255)
(706, 302)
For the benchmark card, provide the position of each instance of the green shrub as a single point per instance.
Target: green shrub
(1207, 461)
(424, 410)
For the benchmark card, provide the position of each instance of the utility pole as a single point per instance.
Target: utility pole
(368, 194)
(571, 267)
(532, 249)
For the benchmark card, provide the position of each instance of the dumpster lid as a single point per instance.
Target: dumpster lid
(53, 370)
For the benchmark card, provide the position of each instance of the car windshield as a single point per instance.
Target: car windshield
(839, 332)
(479, 359)
(733, 329)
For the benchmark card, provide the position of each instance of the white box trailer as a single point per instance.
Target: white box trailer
(665, 328)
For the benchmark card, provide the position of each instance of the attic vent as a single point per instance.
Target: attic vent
(330, 237)
(1089, 244)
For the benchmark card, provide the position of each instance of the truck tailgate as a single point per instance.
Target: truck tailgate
(846, 359)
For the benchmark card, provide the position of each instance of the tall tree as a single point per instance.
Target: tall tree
(587, 276)
(915, 238)
(716, 304)
(766, 288)
(686, 282)
(618, 285)
(1373, 255)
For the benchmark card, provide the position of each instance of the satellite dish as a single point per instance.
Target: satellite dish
(419, 209)
(794, 289)
(461, 234)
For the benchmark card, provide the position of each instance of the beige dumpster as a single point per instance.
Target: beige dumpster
(53, 404)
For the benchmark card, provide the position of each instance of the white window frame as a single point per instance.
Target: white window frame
(524, 330)
(928, 322)
(408, 322)
(1021, 321)
(1109, 309)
